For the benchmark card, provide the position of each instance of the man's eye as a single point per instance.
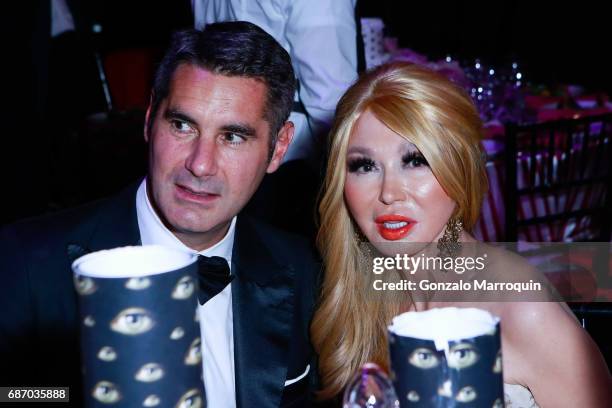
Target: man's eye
(181, 126)
(233, 138)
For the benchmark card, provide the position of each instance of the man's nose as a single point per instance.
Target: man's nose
(202, 159)
(392, 188)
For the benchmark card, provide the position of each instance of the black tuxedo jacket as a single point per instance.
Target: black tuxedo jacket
(272, 298)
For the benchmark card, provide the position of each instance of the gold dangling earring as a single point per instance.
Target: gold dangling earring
(449, 244)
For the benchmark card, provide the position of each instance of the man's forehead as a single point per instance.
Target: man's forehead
(201, 75)
(196, 87)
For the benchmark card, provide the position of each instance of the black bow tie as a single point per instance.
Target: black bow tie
(213, 275)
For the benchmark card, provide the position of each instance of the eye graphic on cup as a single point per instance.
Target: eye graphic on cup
(466, 394)
(184, 288)
(106, 392)
(138, 283)
(132, 321)
(462, 355)
(107, 354)
(194, 353)
(150, 372)
(177, 333)
(191, 399)
(423, 358)
(151, 401)
(497, 367)
(84, 285)
(413, 396)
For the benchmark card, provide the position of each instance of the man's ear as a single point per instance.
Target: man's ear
(283, 140)
(147, 117)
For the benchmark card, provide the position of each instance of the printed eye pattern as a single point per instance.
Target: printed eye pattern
(151, 401)
(497, 367)
(446, 389)
(89, 321)
(177, 333)
(423, 358)
(132, 321)
(149, 373)
(466, 394)
(459, 373)
(413, 396)
(184, 288)
(194, 353)
(106, 392)
(138, 283)
(115, 367)
(498, 403)
(107, 354)
(462, 355)
(191, 399)
(84, 285)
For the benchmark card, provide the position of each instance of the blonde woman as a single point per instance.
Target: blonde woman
(405, 166)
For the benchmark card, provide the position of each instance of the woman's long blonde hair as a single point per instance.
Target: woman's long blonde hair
(348, 328)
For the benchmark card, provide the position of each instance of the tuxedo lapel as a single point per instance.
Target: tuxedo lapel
(262, 301)
(117, 224)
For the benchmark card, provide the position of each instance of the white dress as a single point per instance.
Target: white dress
(517, 396)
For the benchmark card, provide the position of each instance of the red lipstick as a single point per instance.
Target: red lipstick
(393, 227)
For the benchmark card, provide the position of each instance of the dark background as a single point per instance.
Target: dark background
(55, 154)
(553, 41)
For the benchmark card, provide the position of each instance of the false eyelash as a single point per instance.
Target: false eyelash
(414, 155)
(355, 164)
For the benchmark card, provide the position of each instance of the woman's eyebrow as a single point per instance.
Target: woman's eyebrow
(358, 149)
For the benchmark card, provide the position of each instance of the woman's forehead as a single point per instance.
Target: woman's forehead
(370, 134)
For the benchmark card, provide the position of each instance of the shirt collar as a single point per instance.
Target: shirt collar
(153, 231)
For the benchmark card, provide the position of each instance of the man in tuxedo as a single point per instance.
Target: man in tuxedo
(216, 124)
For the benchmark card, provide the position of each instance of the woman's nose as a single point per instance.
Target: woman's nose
(392, 189)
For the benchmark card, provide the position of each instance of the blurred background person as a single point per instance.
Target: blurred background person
(323, 39)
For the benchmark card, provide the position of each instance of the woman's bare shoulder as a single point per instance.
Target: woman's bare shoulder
(556, 353)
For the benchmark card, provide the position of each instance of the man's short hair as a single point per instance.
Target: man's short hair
(237, 48)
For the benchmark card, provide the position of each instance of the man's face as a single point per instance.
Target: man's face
(209, 150)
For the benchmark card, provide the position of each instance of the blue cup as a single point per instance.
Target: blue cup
(139, 328)
(447, 358)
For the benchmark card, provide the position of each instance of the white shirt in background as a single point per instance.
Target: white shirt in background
(320, 36)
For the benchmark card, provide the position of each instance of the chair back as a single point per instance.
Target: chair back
(558, 180)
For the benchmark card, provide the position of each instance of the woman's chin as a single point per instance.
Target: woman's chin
(410, 248)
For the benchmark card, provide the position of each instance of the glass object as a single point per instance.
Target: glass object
(370, 388)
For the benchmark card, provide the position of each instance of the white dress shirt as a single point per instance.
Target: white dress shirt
(216, 325)
(321, 38)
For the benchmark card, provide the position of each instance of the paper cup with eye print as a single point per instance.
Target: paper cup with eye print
(140, 338)
(447, 357)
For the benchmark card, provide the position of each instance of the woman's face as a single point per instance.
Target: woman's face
(390, 190)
